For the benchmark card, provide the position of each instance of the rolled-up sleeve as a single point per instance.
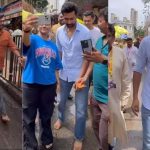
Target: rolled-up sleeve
(141, 58)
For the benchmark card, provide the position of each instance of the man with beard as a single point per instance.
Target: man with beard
(54, 30)
(6, 42)
(68, 39)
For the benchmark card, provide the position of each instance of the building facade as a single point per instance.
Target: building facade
(134, 17)
(147, 26)
(113, 18)
(125, 23)
(11, 12)
(128, 26)
(84, 5)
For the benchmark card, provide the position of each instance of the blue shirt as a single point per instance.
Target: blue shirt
(71, 51)
(142, 62)
(42, 61)
(100, 75)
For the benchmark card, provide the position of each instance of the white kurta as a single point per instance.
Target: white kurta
(131, 54)
(121, 78)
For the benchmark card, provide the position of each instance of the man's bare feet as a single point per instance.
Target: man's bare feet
(5, 118)
(77, 145)
(58, 124)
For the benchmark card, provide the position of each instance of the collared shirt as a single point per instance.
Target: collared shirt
(143, 60)
(71, 51)
(6, 42)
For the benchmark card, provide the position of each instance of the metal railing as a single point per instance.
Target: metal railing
(12, 71)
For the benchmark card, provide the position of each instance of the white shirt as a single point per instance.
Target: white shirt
(131, 54)
(71, 51)
(95, 35)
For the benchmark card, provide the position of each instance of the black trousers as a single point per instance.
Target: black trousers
(41, 98)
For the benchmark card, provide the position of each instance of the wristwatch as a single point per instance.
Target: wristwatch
(105, 61)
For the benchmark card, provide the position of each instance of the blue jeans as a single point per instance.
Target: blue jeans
(2, 106)
(41, 98)
(81, 102)
(146, 128)
(2, 103)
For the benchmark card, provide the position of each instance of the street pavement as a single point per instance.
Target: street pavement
(11, 134)
(65, 134)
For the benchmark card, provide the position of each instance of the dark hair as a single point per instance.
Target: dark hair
(111, 29)
(95, 20)
(129, 39)
(104, 13)
(89, 13)
(69, 7)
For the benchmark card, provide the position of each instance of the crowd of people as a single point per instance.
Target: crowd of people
(55, 62)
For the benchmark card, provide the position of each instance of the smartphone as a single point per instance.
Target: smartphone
(86, 45)
(44, 19)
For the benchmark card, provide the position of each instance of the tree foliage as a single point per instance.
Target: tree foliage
(139, 31)
(145, 1)
(38, 4)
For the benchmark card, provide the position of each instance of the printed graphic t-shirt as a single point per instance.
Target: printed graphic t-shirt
(42, 61)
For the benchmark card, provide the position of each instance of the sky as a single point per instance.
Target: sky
(122, 8)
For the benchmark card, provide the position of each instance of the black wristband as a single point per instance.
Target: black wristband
(105, 62)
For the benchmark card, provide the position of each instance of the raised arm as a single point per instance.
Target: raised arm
(27, 27)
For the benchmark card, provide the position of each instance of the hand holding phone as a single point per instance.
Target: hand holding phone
(44, 19)
(86, 45)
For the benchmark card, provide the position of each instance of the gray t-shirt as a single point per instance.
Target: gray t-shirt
(95, 34)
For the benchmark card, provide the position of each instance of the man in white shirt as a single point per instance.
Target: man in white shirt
(131, 54)
(88, 19)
